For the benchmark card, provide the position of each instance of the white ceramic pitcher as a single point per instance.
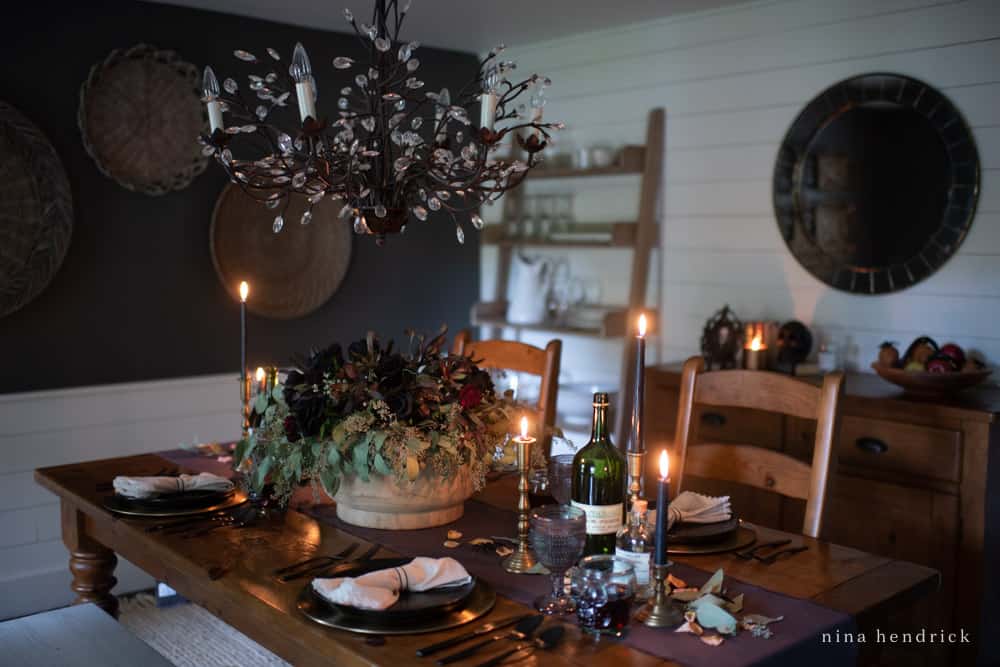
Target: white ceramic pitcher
(531, 280)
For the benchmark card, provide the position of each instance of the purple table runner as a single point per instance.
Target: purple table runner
(797, 639)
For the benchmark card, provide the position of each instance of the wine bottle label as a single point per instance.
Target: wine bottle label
(602, 519)
(640, 563)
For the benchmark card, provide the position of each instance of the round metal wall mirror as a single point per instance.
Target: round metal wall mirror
(876, 183)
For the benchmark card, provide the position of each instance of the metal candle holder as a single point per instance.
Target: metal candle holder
(661, 611)
(636, 462)
(245, 400)
(522, 560)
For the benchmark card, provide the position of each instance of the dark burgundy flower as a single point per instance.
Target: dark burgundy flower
(470, 396)
(291, 428)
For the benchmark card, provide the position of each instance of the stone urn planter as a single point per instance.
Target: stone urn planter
(388, 504)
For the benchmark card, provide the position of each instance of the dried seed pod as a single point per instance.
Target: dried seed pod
(503, 552)
(452, 544)
(454, 535)
(712, 640)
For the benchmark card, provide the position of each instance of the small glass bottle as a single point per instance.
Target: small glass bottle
(634, 543)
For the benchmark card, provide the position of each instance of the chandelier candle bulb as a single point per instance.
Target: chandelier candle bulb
(210, 89)
(488, 110)
(305, 86)
(662, 509)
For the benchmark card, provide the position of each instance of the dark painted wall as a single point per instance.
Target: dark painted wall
(137, 297)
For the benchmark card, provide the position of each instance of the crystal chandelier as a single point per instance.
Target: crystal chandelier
(390, 150)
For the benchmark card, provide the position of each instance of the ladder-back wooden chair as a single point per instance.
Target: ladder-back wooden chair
(756, 466)
(523, 358)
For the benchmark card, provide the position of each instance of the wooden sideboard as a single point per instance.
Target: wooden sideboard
(911, 483)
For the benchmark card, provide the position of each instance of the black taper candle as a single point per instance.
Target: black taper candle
(635, 441)
(662, 515)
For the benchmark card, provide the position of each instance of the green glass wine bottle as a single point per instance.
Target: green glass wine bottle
(599, 483)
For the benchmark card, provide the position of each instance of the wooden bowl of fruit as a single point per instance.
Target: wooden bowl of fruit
(928, 370)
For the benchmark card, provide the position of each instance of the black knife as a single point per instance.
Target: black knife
(479, 632)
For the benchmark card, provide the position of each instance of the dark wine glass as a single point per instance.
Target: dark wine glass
(558, 533)
(603, 588)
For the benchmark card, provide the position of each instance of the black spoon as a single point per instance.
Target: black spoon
(522, 631)
(549, 639)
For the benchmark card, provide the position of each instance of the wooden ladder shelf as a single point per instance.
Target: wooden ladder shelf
(641, 235)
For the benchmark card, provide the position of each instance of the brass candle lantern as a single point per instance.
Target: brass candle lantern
(522, 560)
(661, 611)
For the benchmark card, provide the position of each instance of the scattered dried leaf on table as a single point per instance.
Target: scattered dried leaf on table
(712, 640)
(451, 544)
(685, 594)
(708, 598)
(692, 627)
(675, 582)
(477, 541)
(712, 616)
(503, 552)
(454, 535)
(714, 584)
(735, 605)
(760, 619)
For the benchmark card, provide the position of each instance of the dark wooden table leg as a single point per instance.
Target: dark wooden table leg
(92, 563)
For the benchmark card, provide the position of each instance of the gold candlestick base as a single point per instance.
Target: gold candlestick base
(661, 611)
(635, 466)
(522, 560)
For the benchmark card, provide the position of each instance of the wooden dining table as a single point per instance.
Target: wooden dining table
(229, 571)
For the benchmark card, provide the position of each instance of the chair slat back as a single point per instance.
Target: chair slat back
(522, 358)
(756, 466)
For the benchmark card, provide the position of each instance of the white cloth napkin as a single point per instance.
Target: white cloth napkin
(149, 487)
(380, 589)
(691, 507)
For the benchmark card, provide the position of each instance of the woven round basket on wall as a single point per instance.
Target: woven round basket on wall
(140, 116)
(291, 273)
(36, 211)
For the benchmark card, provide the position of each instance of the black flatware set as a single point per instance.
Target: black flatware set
(523, 632)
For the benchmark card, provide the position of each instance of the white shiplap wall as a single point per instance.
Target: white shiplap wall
(732, 81)
(69, 425)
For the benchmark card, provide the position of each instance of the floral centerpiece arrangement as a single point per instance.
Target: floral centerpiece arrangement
(400, 440)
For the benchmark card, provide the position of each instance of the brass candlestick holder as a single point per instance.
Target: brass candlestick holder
(245, 400)
(661, 611)
(636, 461)
(522, 560)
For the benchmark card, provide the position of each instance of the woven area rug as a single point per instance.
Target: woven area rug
(188, 636)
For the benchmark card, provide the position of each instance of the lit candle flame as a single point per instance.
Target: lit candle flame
(664, 465)
(259, 374)
(244, 291)
(756, 343)
(642, 325)
(524, 428)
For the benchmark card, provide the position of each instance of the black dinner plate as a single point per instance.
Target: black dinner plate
(703, 533)
(195, 498)
(411, 606)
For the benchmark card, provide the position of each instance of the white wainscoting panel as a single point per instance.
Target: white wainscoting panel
(48, 428)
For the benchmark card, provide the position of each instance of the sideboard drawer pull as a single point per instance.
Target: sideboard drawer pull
(871, 445)
(713, 419)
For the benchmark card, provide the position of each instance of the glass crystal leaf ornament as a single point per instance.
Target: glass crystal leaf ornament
(279, 223)
(386, 147)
